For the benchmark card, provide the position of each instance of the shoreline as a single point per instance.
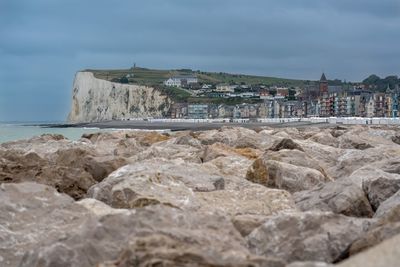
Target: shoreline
(181, 126)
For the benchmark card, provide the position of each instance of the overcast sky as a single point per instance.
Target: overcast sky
(44, 42)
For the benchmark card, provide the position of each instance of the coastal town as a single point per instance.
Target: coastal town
(317, 99)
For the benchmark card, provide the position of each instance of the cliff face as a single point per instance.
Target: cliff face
(98, 100)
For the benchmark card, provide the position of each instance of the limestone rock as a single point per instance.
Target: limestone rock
(309, 264)
(156, 181)
(246, 223)
(286, 143)
(374, 237)
(308, 236)
(253, 200)
(386, 254)
(32, 214)
(41, 227)
(340, 196)
(99, 100)
(220, 150)
(71, 167)
(237, 137)
(389, 204)
(380, 189)
(276, 174)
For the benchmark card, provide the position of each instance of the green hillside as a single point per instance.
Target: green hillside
(153, 77)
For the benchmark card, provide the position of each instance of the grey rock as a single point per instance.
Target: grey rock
(386, 254)
(380, 190)
(340, 196)
(307, 236)
(386, 206)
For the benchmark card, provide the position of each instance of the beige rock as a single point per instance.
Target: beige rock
(307, 236)
(276, 174)
(255, 199)
(155, 181)
(386, 254)
(341, 196)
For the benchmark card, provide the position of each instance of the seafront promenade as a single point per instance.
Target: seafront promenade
(208, 124)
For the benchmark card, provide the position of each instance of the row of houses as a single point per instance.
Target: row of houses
(338, 105)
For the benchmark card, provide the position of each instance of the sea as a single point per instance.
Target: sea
(11, 131)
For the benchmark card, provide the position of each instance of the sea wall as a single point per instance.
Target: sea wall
(99, 100)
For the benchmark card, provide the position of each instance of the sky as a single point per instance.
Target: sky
(43, 43)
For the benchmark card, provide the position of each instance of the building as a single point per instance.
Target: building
(198, 111)
(323, 85)
(180, 81)
(225, 88)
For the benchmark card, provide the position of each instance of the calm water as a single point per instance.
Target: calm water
(11, 132)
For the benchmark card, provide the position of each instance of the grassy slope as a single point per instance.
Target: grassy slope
(155, 78)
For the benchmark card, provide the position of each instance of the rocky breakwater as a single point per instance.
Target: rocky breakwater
(98, 100)
(228, 197)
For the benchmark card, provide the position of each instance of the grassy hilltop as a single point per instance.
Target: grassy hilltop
(155, 78)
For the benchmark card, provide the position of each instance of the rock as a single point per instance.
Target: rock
(156, 181)
(374, 237)
(32, 214)
(389, 204)
(253, 200)
(41, 227)
(386, 254)
(307, 236)
(340, 196)
(353, 142)
(233, 169)
(246, 223)
(275, 174)
(237, 137)
(396, 139)
(351, 160)
(169, 150)
(118, 143)
(309, 264)
(71, 167)
(220, 150)
(18, 167)
(325, 138)
(380, 189)
(286, 143)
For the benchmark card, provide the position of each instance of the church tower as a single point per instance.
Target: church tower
(323, 85)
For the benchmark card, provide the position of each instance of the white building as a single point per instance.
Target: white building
(180, 81)
(225, 88)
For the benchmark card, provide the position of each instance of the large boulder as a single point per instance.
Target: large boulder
(156, 181)
(340, 196)
(307, 236)
(71, 167)
(233, 136)
(31, 215)
(282, 175)
(40, 227)
(221, 150)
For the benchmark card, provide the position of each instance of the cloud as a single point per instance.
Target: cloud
(43, 43)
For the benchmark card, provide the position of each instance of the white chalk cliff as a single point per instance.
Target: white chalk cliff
(99, 100)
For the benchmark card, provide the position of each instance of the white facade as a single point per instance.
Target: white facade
(224, 88)
(179, 81)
